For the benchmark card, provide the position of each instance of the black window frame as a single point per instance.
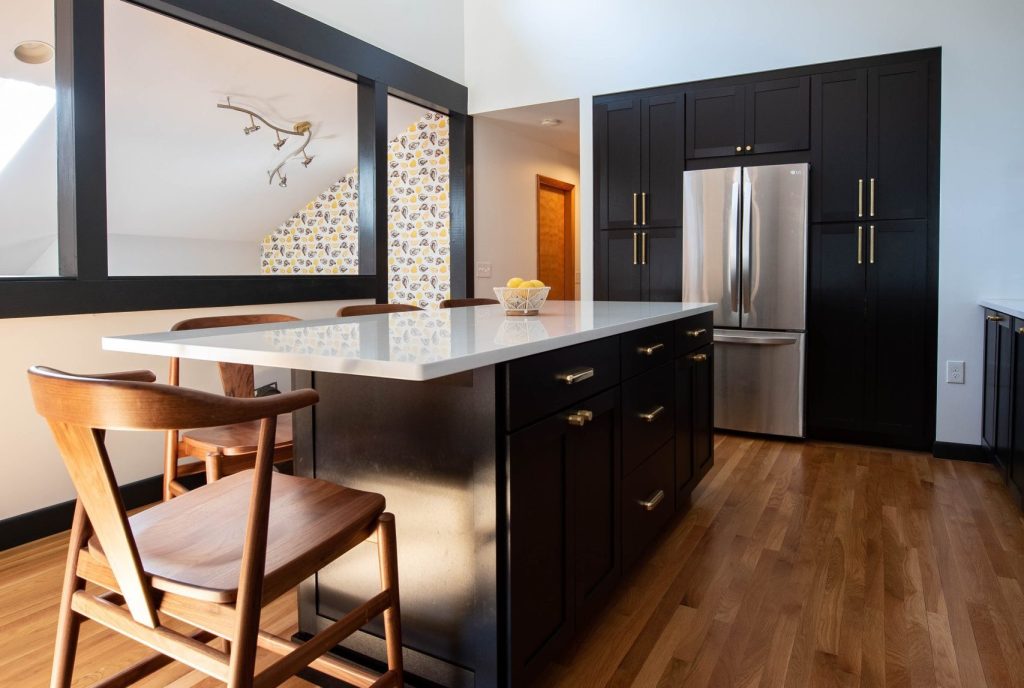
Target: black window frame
(84, 284)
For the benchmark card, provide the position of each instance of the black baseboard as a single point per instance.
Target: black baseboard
(960, 452)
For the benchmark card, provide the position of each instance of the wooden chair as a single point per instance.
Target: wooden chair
(374, 308)
(228, 449)
(462, 303)
(212, 557)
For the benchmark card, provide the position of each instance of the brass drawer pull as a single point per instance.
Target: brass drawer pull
(860, 244)
(696, 333)
(634, 248)
(871, 197)
(994, 318)
(1020, 330)
(652, 502)
(650, 350)
(634, 211)
(860, 199)
(653, 414)
(699, 358)
(572, 377)
(643, 208)
(581, 417)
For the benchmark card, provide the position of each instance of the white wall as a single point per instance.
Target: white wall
(512, 59)
(505, 169)
(34, 474)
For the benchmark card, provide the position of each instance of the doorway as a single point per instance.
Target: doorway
(556, 257)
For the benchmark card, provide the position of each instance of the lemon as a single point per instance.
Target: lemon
(532, 284)
(514, 282)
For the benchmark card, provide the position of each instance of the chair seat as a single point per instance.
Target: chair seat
(192, 545)
(230, 440)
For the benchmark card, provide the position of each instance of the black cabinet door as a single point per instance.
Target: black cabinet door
(685, 468)
(778, 115)
(840, 115)
(1004, 394)
(1017, 406)
(617, 154)
(624, 273)
(594, 485)
(662, 164)
(837, 331)
(662, 262)
(991, 391)
(898, 401)
(703, 409)
(715, 122)
(898, 142)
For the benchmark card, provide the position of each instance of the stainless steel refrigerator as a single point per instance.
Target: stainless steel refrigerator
(745, 249)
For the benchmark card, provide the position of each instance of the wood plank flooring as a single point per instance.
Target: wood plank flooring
(799, 564)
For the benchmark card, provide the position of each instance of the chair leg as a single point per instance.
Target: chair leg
(213, 466)
(68, 621)
(387, 553)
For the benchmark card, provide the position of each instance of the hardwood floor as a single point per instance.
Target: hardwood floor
(799, 564)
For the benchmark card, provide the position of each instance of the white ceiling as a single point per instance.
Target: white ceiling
(526, 121)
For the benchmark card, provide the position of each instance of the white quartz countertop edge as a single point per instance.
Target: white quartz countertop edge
(181, 345)
(1014, 307)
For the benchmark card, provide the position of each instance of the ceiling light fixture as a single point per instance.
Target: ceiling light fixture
(34, 52)
(303, 129)
(550, 122)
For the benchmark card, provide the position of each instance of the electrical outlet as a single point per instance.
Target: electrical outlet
(483, 269)
(955, 372)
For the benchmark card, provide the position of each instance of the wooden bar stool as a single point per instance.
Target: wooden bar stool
(228, 449)
(374, 308)
(213, 557)
(462, 303)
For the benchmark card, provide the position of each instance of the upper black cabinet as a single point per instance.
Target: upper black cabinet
(762, 117)
(871, 131)
(638, 155)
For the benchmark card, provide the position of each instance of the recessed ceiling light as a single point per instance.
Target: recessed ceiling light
(550, 122)
(34, 52)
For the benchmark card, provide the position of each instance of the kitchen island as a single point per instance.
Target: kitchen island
(528, 461)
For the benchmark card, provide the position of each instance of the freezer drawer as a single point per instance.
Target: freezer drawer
(759, 382)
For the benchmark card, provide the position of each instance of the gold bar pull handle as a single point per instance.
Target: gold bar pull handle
(871, 197)
(699, 358)
(643, 248)
(650, 350)
(574, 376)
(652, 502)
(871, 245)
(1020, 330)
(696, 333)
(860, 200)
(652, 415)
(634, 209)
(860, 244)
(994, 318)
(580, 418)
(643, 208)
(634, 248)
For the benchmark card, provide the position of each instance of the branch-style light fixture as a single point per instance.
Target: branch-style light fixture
(302, 129)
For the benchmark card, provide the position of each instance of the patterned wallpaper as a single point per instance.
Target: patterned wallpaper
(322, 238)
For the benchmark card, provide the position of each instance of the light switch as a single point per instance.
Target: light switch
(483, 269)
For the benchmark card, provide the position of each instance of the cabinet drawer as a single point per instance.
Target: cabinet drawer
(648, 415)
(644, 349)
(693, 333)
(542, 384)
(646, 503)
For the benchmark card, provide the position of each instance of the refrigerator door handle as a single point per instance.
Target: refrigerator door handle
(733, 258)
(747, 244)
(755, 341)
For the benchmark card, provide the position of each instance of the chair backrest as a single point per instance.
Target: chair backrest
(374, 308)
(462, 303)
(79, 410)
(237, 379)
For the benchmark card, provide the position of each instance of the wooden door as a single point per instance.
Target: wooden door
(662, 262)
(556, 255)
(623, 271)
(714, 122)
(662, 161)
(778, 115)
(898, 142)
(617, 158)
(836, 330)
(840, 178)
(899, 370)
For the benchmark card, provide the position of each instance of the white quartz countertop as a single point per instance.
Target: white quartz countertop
(409, 346)
(1014, 307)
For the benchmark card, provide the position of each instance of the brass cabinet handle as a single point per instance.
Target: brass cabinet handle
(634, 248)
(580, 418)
(860, 199)
(994, 318)
(739, 149)
(748, 148)
(699, 358)
(1020, 330)
(871, 197)
(643, 208)
(643, 248)
(860, 245)
(696, 333)
(574, 376)
(871, 244)
(652, 415)
(634, 209)
(649, 350)
(652, 502)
